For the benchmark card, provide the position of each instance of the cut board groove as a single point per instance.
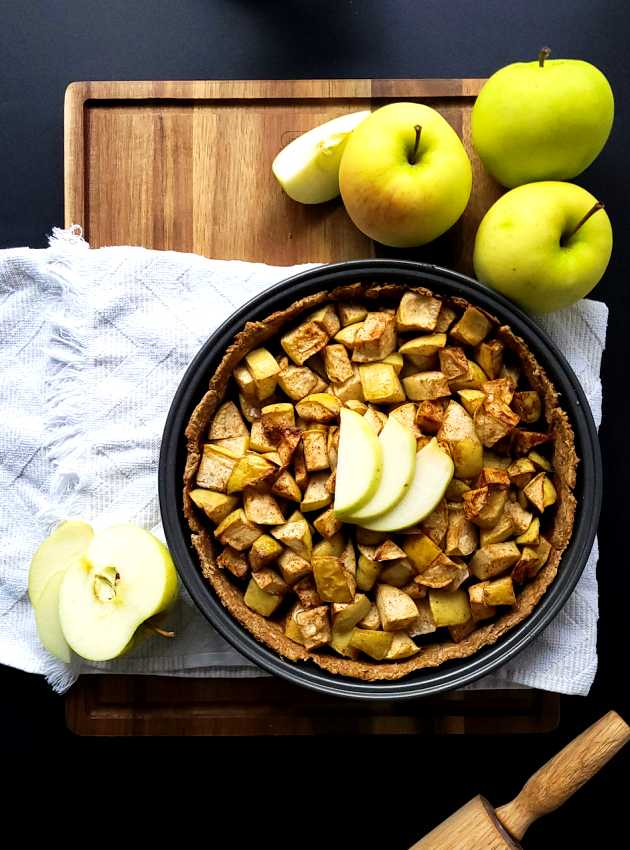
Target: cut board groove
(185, 166)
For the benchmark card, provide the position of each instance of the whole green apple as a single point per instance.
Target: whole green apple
(542, 120)
(405, 177)
(543, 245)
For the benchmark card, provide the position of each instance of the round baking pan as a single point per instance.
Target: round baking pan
(453, 674)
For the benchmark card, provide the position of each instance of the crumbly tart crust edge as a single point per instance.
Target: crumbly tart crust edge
(270, 633)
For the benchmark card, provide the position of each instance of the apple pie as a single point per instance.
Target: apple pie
(379, 479)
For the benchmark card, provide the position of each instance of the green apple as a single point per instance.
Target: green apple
(542, 120)
(398, 445)
(47, 618)
(405, 177)
(69, 540)
(359, 463)
(125, 577)
(308, 167)
(432, 475)
(543, 245)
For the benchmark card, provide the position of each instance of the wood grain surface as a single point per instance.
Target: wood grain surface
(187, 166)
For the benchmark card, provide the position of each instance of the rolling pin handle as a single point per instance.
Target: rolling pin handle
(561, 776)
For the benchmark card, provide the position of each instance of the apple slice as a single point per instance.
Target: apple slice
(47, 618)
(432, 475)
(126, 576)
(308, 168)
(359, 463)
(67, 542)
(399, 460)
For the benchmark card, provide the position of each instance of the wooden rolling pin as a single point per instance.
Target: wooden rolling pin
(478, 826)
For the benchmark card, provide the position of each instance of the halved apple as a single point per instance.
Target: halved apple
(47, 618)
(62, 547)
(359, 463)
(398, 445)
(308, 167)
(432, 475)
(126, 576)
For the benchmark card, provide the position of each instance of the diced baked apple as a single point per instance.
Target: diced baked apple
(499, 592)
(319, 407)
(269, 581)
(246, 383)
(264, 550)
(291, 628)
(539, 461)
(503, 530)
(420, 550)
(472, 328)
(478, 607)
(235, 446)
(531, 536)
(249, 408)
(375, 337)
(306, 592)
(296, 535)
(237, 531)
(524, 441)
(215, 469)
(500, 389)
(347, 335)
(350, 314)
(315, 450)
(458, 430)
(346, 615)
(327, 317)
(264, 369)
(528, 406)
(304, 341)
(317, 495)
(493, 559)
(277, 415)
(398, 573)
(492, 476)
(250, 471)
(445, 318)
(261, 508)
(449, 609)
(453, 362)
(233, 561)
(422, 346)
(521, 519)
(402, 647)
(541, 492)
(380, 383)
(424, 624)
(337, 362)
(426, 386)
(216, 506)
(368, 571)
(461, 535)
(227, 422)
(286, 487)
(350, 389)
(493, 421)
(376, 419)
(371, 620)
(260, 601)
(474, 380)
(521, 471)
(297, 381)
(441, 573)
(417, 312)
(314, 626)
(489, 355)
(334, 583)
(395, 608)
(436, 524)
(293, 566)
(372, 643)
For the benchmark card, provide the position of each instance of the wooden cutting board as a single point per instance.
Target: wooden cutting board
(186, 166)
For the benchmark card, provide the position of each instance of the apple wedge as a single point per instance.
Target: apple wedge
(308, 167)
(398, 445)
(47, 618)
(432, 475)
(359, 463)
(125, 577)
(67, 542)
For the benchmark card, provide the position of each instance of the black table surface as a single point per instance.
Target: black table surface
(361, 789)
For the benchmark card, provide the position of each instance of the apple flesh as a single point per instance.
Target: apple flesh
(432, 475)
(542, 120)
(398, 445)
(400, 186)
(308, 167)
(528, 248)
(125, 577)
(66, 543)
(359, 463)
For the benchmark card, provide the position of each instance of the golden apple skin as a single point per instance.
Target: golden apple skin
(391, 200)
(542, 123)
(522, 250)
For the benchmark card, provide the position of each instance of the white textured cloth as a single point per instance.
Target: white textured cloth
(93, 344)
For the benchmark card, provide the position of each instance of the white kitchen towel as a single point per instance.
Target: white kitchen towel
(93, 344)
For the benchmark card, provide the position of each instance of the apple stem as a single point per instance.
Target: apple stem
(414, 153)
(161, 632)
(543, 53)
(582, 221)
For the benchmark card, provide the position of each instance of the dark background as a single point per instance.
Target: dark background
(344, 792)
